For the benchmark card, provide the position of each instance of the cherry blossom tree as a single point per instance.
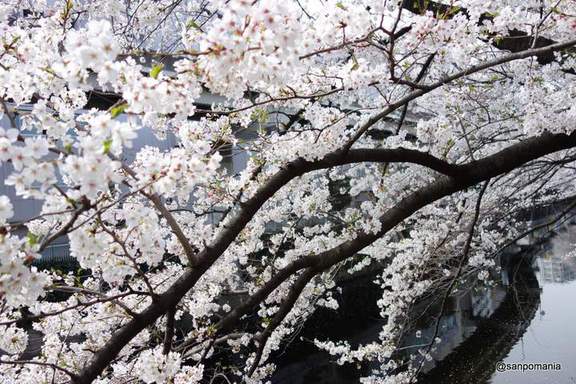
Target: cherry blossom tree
(477, 97)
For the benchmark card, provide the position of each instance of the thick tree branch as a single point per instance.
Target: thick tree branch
(473, 173)
(169, 333)
(468, 175)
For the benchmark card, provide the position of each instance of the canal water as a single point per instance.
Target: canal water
(520, 331)
(551, 335)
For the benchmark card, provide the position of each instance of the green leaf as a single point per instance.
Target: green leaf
(341, 6)
(454, 10)
(107, 145)
(356, 65)
(449, 146)
(259, 115)
(155, 71)
(192, 24)
(32, 238)
(68, 6)
(449, 13)
(118, 110)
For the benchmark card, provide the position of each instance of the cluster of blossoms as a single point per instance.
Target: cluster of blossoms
(217, 168)
(251, 45)
(92, 48)
(155, 367)
(14, 340)
(24, 159)
(6, 209)
(20, 284)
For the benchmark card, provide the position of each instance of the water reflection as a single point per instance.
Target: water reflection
(557, 262)
(534, 323)
(552, 333)
(474, 359)
(528, 317)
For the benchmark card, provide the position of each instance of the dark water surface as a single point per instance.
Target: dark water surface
(528, 317)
